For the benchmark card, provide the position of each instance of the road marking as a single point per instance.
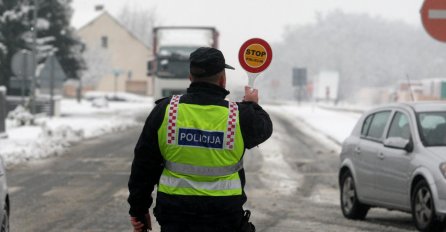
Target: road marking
(89, 173)
(14, 189)
(437, 14)
(122, 193)
(319, 174)
(104, 159)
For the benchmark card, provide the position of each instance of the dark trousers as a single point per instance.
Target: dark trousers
(197, 228)
(233, 226)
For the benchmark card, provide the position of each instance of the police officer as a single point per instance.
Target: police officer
(192, 148)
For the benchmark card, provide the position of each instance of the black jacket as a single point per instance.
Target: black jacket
(256, 127)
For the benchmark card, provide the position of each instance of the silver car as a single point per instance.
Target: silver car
(395, 158)
(4, 199)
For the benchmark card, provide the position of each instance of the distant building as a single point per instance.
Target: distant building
(116, 59)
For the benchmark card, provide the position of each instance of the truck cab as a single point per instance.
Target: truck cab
(172, 47)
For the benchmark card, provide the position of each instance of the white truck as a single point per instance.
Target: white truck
(326, 86)
(171, 49)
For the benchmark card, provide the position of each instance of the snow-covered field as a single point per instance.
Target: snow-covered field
(78, 121)
(329, 126)
(52, 136)
(336, 125)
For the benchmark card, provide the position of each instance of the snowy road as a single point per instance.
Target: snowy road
(299, 193)
(291, 187)
(84, 190)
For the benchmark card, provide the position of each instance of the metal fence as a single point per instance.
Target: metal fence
(42, 104)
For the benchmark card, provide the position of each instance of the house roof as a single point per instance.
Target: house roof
(113, 19)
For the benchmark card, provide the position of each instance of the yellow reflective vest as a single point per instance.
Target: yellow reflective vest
(202, 147)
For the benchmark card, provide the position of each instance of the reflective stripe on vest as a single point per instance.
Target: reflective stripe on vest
(203, 171)
(185, 183)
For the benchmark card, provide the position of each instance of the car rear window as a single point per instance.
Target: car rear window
(366, 125)
(373, 127)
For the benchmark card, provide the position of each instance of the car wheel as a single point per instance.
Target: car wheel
(423, 208)
(350, 205)
(5, 220)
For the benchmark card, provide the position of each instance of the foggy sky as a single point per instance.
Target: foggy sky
(238, 20)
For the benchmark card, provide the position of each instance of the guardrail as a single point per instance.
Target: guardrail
(42, 104)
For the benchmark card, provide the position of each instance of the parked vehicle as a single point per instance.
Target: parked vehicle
(395, 158)
(171, 49)
(4, 197)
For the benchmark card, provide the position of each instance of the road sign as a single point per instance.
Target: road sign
(52, 71)
(19, 87)
(22, 64)
(255, 55)
(433, 15)
(299, 76)
(52, 78)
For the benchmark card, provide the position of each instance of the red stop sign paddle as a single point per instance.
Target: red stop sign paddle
(255, 56)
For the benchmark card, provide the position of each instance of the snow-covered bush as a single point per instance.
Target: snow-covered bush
(20, 117)
(64, 134)
(100, 102)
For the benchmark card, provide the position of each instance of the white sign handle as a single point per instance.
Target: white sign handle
(252, 78)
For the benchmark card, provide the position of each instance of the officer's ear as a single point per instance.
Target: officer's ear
(222, 80)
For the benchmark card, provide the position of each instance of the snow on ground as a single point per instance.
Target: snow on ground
(328, 125)
(287, 180)
(78, 121)
(331, 127)
(128, 97)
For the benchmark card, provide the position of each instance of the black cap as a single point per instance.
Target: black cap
(206, 61)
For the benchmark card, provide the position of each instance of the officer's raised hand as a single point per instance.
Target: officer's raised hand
(251, 95)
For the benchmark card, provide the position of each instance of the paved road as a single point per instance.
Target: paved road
(84, 190)
(291, 187)
(305, 197)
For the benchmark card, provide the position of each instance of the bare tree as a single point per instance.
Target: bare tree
(139, 22)
(367, 52)
(99, 65)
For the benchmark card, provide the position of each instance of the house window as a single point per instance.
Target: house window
(104, 41)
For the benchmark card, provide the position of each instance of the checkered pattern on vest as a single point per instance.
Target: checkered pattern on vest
(232, 125)
(172, 121)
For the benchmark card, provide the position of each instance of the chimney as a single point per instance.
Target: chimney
(97, 7)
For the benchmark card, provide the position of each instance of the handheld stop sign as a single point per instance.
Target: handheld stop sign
(255, 56)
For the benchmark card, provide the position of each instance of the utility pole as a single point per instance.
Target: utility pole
(52, 87)
(33, 81)
(24, 75)
(116, 73)
(80, 85)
